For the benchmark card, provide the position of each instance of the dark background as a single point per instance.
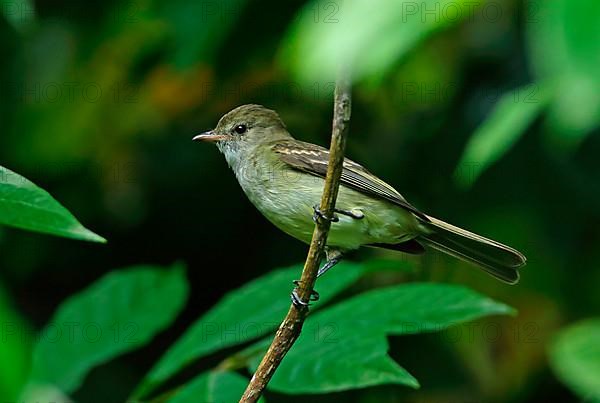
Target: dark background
(147, 77)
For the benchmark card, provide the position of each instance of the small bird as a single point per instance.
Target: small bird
(284, 177)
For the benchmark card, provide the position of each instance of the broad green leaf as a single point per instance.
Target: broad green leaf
(342, 360)
(344, 347)
(564, 44)
(244, 314)
(14, 351)
(511, 117)
(330, 34)
(216, 386)
(24, 205)
(575, 358)
(118, 313)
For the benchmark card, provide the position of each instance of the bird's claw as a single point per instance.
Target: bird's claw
(319, 214)
(297, 301)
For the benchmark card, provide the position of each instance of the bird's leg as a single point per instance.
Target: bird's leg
(334, 256)
(356, 214)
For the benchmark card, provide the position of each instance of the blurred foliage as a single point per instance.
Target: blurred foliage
(565, 52)
(330, 34)
(14, 351)
(575, 357)
(19, 13)
(100, 101)
(510, 119)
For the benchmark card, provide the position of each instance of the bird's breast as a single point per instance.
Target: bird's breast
(286, 198)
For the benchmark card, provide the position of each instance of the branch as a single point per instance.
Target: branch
(290, 328)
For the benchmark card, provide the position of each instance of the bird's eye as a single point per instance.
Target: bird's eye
(240, 129)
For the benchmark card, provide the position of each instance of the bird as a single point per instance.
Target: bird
(284, 177)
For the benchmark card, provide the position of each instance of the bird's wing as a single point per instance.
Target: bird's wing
(314, 159)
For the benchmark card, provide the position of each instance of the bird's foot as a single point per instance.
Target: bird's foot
(297, 301)
(319, 214)
(356, 214)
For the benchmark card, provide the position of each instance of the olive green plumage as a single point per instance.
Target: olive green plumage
(283, 177)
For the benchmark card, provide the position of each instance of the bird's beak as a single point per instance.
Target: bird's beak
(211, 137)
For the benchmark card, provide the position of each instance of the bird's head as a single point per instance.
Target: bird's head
(245, 127)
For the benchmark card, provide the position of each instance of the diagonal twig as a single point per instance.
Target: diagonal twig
(290, 328)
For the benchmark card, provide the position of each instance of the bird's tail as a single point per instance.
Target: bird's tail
(499, 260)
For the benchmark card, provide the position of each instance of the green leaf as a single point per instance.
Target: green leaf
(575, 358)
(511, 117)
(216, 386)
(14, 350)
(118, 313)
(341, 361)
(24, 205)
(330, 34)
(344, 347)
(244, 314)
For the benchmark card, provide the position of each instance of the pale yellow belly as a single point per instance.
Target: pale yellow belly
(291, 210)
